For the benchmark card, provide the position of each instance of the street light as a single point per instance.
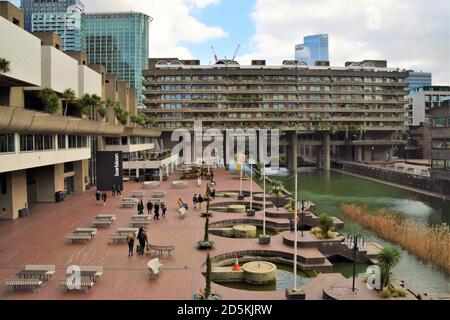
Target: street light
(277, 189)
(355, 242)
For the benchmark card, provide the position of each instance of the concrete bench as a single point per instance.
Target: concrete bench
(154, 267)
(111, 217)
(158, 194)
(179, 185)
(90, 231)
(139, 223)
(101, 223)
(14, 284)
(151, 184)
(117, 238)
(51, 269)
(128, 203)
(138, 194)
(161, 249)
(127, 231)
(80, 284)
(79, 237)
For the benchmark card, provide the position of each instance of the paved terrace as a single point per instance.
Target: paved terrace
(41, 239)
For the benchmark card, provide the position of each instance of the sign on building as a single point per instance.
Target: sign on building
(109, 170)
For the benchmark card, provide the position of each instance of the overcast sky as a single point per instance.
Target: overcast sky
(412, 34)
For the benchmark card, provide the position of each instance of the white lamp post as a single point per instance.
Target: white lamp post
(264, 239)
(295, 231)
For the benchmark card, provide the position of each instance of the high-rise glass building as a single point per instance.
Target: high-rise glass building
(120, 41)
(314, 48)
(419, 79)
(64, 17)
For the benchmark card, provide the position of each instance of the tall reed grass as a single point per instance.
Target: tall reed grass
(429, 243)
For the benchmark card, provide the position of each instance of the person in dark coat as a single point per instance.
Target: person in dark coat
(200, 201)
(195, 201)
(141, 207)
(157, 211)
(98, 196)
(104, 197)
(130, 241)
(114, 190)
(149, 207)
(143, 240)
(164, 209)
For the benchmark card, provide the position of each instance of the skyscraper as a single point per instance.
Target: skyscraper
(314, 48)
(64, 17)
(418, 80)
(119, 41)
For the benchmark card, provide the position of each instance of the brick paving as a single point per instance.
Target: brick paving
(41, 239)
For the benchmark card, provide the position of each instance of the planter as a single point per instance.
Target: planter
(251, 213)
(264, 240)
(205, 245)
(241, 198)
(206, 214)
(291, 294)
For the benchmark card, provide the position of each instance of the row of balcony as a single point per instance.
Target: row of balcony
(256, 100)
(158, 91)
(290, 118)
(160, 109)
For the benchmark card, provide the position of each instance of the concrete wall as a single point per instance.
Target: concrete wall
(81, 171)
(59, 71)
(16, 197)
(49, 180)
(89, 81)
(23, 51)
(11, 13)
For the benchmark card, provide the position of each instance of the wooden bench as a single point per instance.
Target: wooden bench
(79, 237)
(51, 269)
(154, 267)
(14, 284)
(161, 249)
(81, 284)
(101, 223)
(117, 238)
(128, 203)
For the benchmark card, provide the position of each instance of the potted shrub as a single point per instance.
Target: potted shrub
(325, 229)
(388, 258)
(206, 243)
(207, 293)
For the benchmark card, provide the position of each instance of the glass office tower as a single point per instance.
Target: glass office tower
(419, 79)
(64, 17)
(314, 48)
(120, 41)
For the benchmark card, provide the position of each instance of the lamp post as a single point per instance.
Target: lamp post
(295, 231)
(251, 186)
(355, 242)
(303, 216)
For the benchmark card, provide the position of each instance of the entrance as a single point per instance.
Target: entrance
(31, 187)
(69, 185)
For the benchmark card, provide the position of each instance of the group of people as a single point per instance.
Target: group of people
(103, 196)
(116, 191)
(153, 208)
(143, 242)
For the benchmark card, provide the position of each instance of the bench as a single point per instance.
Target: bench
(81, 284)
(117, 238)
(51, 269)
(14, 284)
(154, 268)
(97, 269)
(90, 231)
(101, 223)
(161, 249)
(79, 237)
(151, 185)
(139, 223)
(138, 194)
(179, 185)
(158, 194)
(111, 217)
(127, 231)
(128, 203)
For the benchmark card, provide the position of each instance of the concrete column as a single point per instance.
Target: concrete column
(161, 174)
(359, 154)
(15, 198)
(319, 157)
(49, 180)
(16, 97)
(327, 152)
(81, 169)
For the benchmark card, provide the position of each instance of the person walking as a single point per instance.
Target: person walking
(149, 207)
(200, 201)
(157, 211)
(98, 196)
(195, 201)
(164, 209)
(104, 197)
(118, 191)
(130, 241)
(143, 240)
(140, 207)
(114, 190)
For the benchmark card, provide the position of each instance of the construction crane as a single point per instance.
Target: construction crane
(236, 52)
(215, 54)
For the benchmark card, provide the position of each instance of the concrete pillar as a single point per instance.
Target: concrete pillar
(359, 154)
(16, 97)
(81, 169)
(319, 157)
(15, 198)
(327, 152)
(160, 174)
(49, 180)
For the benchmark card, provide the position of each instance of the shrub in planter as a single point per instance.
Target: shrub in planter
(206, 243)
(207, 293)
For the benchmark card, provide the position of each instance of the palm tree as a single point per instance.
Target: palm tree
(388, 258)
(68, 96)
(326, 224)
(49, 100)
(5, 65)
(208, 277)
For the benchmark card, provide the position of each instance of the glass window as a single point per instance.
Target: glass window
(61, 141)
(440, 144)
(3, 189)
(7, 143)
(26, 142)
(438, 164)
(439, 122)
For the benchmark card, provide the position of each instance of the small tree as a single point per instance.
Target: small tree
(49, 100)
(326, 224)
(388, 258)
(68, 96)
(206, 236)
(208, 277)
(5, 65)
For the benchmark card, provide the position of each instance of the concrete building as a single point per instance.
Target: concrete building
(422, 100)
(440, 146)
(11, 13)
(64, 17)
(347, 112)
(418, 143)
(418, 80)
(314, 48)
(120, 42)
(43, 155)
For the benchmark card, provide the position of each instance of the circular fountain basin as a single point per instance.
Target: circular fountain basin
(259, 272)
(236, 208)
(244, 231)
